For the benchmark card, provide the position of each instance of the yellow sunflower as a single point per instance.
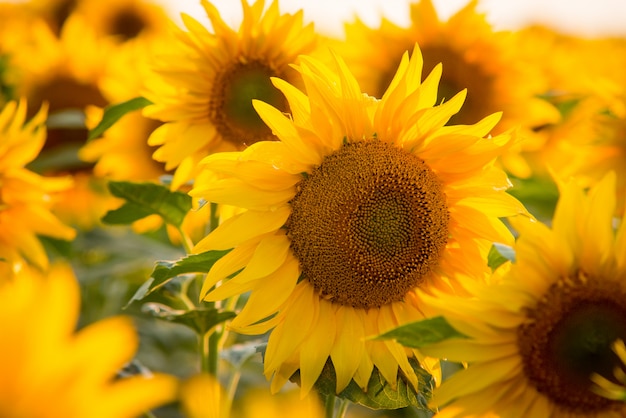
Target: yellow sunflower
(473, 57)
(539, 334)
(25, 197)
(359, 202)
(203, 90)
(51, 371)
(124, 19)
(202, 396)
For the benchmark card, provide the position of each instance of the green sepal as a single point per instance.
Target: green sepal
(421, 333)
(144, 199)
(115, 112)
(379, 394)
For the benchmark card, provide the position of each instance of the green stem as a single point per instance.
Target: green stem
(213, 355)
(204, 350)
(330, 406)
(149, 414)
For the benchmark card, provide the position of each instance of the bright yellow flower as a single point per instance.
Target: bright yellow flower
(473, 57)
(202, 396)
(538, 335)
(50, 371)
(359, 202)
(203, 90)
(124, 19)
(25, 197)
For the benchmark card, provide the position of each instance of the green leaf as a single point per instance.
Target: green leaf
(201, 320)
(500, 254)
(164, 271)
(195, 263)
(538, 194)
(115, 112)
(379, 393)
(144, 199)
(420, 333)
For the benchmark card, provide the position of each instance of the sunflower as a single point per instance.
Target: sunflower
(51, 371)
(357, 204)
(203, 90)
(202, 396)
(473, 57)
(25, 197)
(124, 19)
(538, 335)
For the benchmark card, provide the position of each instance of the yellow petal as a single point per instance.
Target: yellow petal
(315, 353)
(243, 227)
(349, 344)
(269, 295)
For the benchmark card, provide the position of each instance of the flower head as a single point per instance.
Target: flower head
(25, 197)
(203, 89)
(358, 203)
(538, 335)
(50, 371)
(474, 57)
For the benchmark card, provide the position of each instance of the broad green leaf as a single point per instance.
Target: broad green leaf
(420, 333)
(144, 199)
(115, 112)
(500, 254)
(379, 394)
(201, 320)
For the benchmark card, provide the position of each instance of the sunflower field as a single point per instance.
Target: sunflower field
(202, 219)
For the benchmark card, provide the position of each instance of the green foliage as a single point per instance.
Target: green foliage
(500, 254)
(538, 194)
(115, 112)
(420, 333)
(164, 271)
(144, 199)
(201, 320)
(379, 393)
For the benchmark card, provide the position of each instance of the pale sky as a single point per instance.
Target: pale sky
(583, 17)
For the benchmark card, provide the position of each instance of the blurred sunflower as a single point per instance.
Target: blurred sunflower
(25, 197)
(202, 396)
(203, 90)
(588, 87)
(473, 57)
(538, 335)
(124, 19)
(359, 202)
(57, 372)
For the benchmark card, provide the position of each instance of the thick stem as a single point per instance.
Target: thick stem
(204, 351)
(329, 406)
(214, 351)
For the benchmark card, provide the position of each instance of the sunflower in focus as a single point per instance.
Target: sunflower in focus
(203, 90)
(25, 197)
(473, 57)
(538, 336)
(359, 202)
(57, 372)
